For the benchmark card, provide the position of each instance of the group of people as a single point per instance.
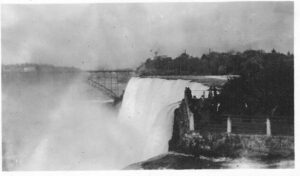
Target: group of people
(203, 103)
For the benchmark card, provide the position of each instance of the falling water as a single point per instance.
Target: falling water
(148, 108)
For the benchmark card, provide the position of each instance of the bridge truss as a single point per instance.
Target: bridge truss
(111, 82)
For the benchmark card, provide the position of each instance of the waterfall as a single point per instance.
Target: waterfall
(148, 108)
(80, 133)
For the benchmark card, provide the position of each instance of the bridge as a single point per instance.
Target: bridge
(111, 82)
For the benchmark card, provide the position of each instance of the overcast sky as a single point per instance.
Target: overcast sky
(93, 36)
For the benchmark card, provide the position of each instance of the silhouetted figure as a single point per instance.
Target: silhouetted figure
(188, 93)
(201, 102)
(210, 92)
(214, 91)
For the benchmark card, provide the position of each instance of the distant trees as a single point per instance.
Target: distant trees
(213, 63)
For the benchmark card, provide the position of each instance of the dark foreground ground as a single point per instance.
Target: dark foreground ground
(182, 161)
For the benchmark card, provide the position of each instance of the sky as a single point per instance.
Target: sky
(114, 36)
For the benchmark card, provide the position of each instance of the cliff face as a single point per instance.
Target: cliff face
(180, 127)
(209, 143)
(192, 142)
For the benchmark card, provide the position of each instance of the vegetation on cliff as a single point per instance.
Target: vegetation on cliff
(265, 85)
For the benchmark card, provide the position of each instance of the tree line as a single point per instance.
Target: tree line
(213, 63)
